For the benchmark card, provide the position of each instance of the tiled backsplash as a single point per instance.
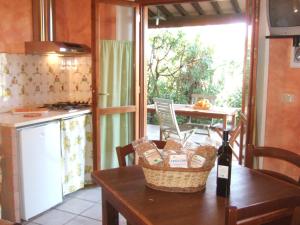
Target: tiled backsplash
(29, 80)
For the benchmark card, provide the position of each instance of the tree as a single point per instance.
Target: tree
(178, 67)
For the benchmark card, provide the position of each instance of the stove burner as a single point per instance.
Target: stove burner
(67, 106)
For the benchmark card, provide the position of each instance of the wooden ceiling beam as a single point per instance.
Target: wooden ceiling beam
(151, 13)
(198, 8)
(165, 11)
(160, 2)
(199, 21)
(216, 7)
(181, 10)
(236, 6)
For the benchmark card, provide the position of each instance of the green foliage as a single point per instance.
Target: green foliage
(178, 67)
(235, 100)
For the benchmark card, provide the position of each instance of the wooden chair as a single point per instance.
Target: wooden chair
(234, 133)
(275, 212)
(277, 153)
(123, 152)
(126, 150)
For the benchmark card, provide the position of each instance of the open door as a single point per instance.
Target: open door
(249, 80)
(115, 78)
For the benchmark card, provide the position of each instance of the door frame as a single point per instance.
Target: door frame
(141, 84)
(97, 112)
(249, 123)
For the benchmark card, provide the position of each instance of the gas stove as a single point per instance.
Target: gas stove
(67, 106)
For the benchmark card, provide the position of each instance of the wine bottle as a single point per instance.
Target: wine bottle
(224, 167)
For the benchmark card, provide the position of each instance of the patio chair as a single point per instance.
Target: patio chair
(168, 123)
(234, 133)
(209, 122)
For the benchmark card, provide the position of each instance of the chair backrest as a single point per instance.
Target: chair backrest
(126, 150)
(277, 153)
(196, 97)
(279, 211)
(166, 115)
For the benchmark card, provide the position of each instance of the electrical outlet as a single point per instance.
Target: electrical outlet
(288, 98)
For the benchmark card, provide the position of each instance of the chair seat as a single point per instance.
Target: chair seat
(186, 127)
(220, 126)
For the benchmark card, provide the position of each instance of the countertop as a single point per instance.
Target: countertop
(10, 120)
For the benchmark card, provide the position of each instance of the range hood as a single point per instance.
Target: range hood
(43, 14)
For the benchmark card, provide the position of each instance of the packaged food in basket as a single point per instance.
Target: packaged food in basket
(148, 151)
(186, 170)
(173, 145)
(178, 161)
(202, 156)
(197, 161)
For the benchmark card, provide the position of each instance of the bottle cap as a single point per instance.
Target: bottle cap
(225, 135)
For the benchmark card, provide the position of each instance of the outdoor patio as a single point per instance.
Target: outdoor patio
(200, 139)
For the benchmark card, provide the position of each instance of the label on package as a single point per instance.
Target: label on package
(178, 161)
(153, 157)
(223, 171)
(197, 161)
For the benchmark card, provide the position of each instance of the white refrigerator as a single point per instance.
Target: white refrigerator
(40, 168)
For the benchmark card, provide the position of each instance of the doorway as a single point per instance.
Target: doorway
(136, 110)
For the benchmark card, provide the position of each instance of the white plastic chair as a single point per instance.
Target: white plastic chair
(168, 122)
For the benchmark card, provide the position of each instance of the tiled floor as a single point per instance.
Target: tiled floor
(79, 208)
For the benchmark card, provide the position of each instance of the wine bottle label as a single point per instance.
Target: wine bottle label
(178, 161)
(223, 171)
(153, 157)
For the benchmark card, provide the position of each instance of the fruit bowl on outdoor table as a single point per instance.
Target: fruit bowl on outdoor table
(202, 104)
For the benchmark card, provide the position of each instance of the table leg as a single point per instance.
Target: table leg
(110, 215)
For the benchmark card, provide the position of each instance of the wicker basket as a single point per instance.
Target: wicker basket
(175, 179)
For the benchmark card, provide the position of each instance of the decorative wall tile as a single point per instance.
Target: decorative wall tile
(30, 80)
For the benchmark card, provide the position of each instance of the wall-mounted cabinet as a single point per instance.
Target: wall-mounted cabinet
(73, 23)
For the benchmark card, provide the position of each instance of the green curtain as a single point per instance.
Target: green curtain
(116, 89)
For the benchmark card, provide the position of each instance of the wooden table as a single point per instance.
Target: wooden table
(124, 191)
(214, 112)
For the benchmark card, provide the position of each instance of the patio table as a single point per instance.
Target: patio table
(214, 112)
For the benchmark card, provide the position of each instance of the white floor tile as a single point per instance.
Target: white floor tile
(54, 217)
(95, 212)
(89, 194)
(79, 220)
(30, 223)
(75, 205)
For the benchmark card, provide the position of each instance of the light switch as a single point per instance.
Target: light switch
(288, 98)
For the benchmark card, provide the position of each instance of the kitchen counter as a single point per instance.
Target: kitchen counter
(10, 120)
